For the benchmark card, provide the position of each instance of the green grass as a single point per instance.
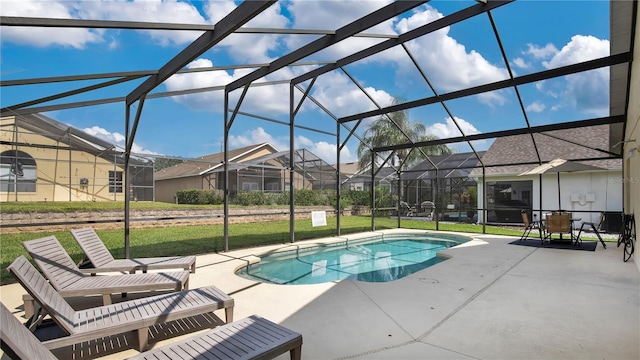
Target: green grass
(194, 240)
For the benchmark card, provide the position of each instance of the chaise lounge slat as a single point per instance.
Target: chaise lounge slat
(103, 261)
(252, 338)
(133, 315)
(65, 277)
(17, 341)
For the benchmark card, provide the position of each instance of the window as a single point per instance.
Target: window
(115, 181)
(249, 186)
(273, 186)
(17, 172)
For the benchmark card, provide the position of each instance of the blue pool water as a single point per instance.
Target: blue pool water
(372, 260)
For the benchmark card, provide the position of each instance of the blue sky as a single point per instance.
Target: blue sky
(536, 35)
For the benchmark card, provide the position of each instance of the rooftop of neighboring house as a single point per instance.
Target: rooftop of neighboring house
(68, 137)
(209, 162)
(456, 165)
(573, 144)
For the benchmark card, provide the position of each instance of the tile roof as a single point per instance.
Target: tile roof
(572, 144)
(203, 163)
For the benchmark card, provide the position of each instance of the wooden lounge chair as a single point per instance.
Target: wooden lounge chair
(251, 338)
(66, 278)
(132, 315)
(103, 261)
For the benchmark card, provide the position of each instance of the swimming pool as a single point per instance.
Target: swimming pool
(380, 259)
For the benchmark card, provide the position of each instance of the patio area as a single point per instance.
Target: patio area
(489, 300)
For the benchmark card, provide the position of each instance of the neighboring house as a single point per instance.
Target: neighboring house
(207, 173)
(45, 160)
(586, 193)
(252, 168)
(445, 181)
(353, 178)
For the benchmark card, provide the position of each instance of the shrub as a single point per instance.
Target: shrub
(279, 198)
(214, 197)
(199, 197)
(304, 197)
(188, 196)
(247, 198)
(358, 197)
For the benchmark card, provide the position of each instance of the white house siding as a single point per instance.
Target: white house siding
(592, 192)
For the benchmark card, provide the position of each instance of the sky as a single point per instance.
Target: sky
(536, 35)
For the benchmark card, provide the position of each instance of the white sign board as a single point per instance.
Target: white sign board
(318, 218)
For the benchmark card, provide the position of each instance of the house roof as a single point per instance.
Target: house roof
(456, 165)
(311, 166)
(208, 163)
(573, 144)
(70, 137)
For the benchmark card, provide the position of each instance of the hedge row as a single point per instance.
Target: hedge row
(302, 197)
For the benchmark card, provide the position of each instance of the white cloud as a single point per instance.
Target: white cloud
(521, 63)
(440, 53)
(337, 93)
(580, 48)
(324, 150)
(116, 138)
(249, 48)
(40, 36)
(536, 107)
(586, 92)
(257, 136)
(538, 52)
(449, 128)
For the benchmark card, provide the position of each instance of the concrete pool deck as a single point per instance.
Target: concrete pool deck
(489, 300)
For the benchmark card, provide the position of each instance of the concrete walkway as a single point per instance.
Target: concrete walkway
(489, 300)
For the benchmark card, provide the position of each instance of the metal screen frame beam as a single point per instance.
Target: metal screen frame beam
(622, 58)
(242, 14)
(520, 131)
(408, 36)
(365, 22)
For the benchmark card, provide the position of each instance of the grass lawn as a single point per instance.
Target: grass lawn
(194, 240)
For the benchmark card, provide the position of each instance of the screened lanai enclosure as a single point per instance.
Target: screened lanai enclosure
(77, 165)
(425, 88)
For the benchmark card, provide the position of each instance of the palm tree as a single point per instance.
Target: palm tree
(393, 129)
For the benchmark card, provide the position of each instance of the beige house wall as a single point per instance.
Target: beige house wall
(166, 190)
(632, 163)
(59, 170)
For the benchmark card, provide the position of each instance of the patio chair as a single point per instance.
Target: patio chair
(406, 209)
(529, 226)
(255, 337)
(132, 315)
(596, 230)
(68, 280)
(558, 223)
(102, 260)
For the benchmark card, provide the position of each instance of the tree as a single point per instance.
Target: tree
(394, 129)
(162, 163)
